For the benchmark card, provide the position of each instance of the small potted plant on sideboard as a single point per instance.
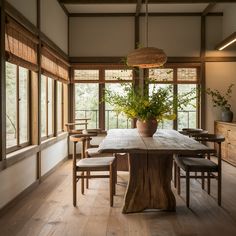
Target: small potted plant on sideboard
(222, 100)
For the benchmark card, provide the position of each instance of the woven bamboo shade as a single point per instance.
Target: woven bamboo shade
(21, 45)
(53, 66)
(147, 57)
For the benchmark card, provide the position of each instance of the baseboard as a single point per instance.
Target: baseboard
(43, 177)
(30, 188)
(19, 197)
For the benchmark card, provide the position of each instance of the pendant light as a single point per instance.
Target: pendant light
(147, 57)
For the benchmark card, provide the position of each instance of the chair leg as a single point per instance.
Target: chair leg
(208, 183)
(74, 189)
(203, 180)
(187, 188)
(178, 181)
(174, 175)
(111, 184)
(87, 180)
(114, 169)
(82, 183)
(219, 188)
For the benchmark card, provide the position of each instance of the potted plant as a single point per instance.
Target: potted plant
(222, 100)
(148, 108)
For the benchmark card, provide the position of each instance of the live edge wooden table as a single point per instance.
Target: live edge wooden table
(150, 162)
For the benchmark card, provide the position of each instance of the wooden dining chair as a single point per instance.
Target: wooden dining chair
(201, 164)
(82, 170)
(190, 132)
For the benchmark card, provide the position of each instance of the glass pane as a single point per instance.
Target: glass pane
(165, 124)
(118, 74)
(11, 107)
(23, 105)
(43, 105)
(86, 74)
(161, 75)
(187, 118)
(50, 106)
(187, 74)
(59, 106)
(86, 104)
(112, 118)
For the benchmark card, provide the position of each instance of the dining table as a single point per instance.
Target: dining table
(150, 165)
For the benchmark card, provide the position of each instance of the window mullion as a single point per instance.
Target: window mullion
(47, 107)
(101, 101)
(175, 91)
(62, 107)
(17, 107)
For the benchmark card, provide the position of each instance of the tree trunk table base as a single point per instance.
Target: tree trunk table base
(149, 185)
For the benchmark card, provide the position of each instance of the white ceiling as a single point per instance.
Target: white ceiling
(131, 8)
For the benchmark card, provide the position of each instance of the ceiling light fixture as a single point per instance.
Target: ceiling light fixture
(147, 57)
(226, 42)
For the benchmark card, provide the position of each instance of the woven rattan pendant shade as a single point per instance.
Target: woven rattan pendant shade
(147, 57)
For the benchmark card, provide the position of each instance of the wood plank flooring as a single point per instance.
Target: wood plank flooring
(48, 210)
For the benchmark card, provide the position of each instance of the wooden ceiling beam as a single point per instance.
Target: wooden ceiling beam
(63, 7)
(135, 1)
(209, 8)
(138, 7)
(143, 14)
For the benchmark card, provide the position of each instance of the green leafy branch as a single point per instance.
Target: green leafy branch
(221, 99)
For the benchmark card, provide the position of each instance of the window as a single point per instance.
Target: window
(181, 80)
(87, 98)
(90, 85)
(47, 101)
(89, 94)
(112, 118)
(60, 110)
(17, 107)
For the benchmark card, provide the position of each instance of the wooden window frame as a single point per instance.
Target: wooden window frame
(25, 144)
(101, 81)
(47, 136)
(176, 82)
(62, 108)
(101, 85)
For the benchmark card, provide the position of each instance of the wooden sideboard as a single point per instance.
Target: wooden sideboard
(229, 146)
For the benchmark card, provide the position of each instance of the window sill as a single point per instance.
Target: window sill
(48, 142)
(18, 155)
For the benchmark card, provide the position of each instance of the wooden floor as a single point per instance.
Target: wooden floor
(48, 210)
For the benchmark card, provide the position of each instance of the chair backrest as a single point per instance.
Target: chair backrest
(212, 138)
(205, 137)
(191, 131)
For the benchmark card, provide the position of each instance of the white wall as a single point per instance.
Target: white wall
(177, 36)
(101, 36)
(27, 7)
(219, 75)
(54, 23)
(53, 155)
(17, 178)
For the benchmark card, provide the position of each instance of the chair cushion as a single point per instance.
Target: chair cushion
(93, 152)
(196, 164)
(95, 162)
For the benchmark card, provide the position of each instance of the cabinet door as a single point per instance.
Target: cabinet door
(223, 130)
(231, 134)
(231, 155)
